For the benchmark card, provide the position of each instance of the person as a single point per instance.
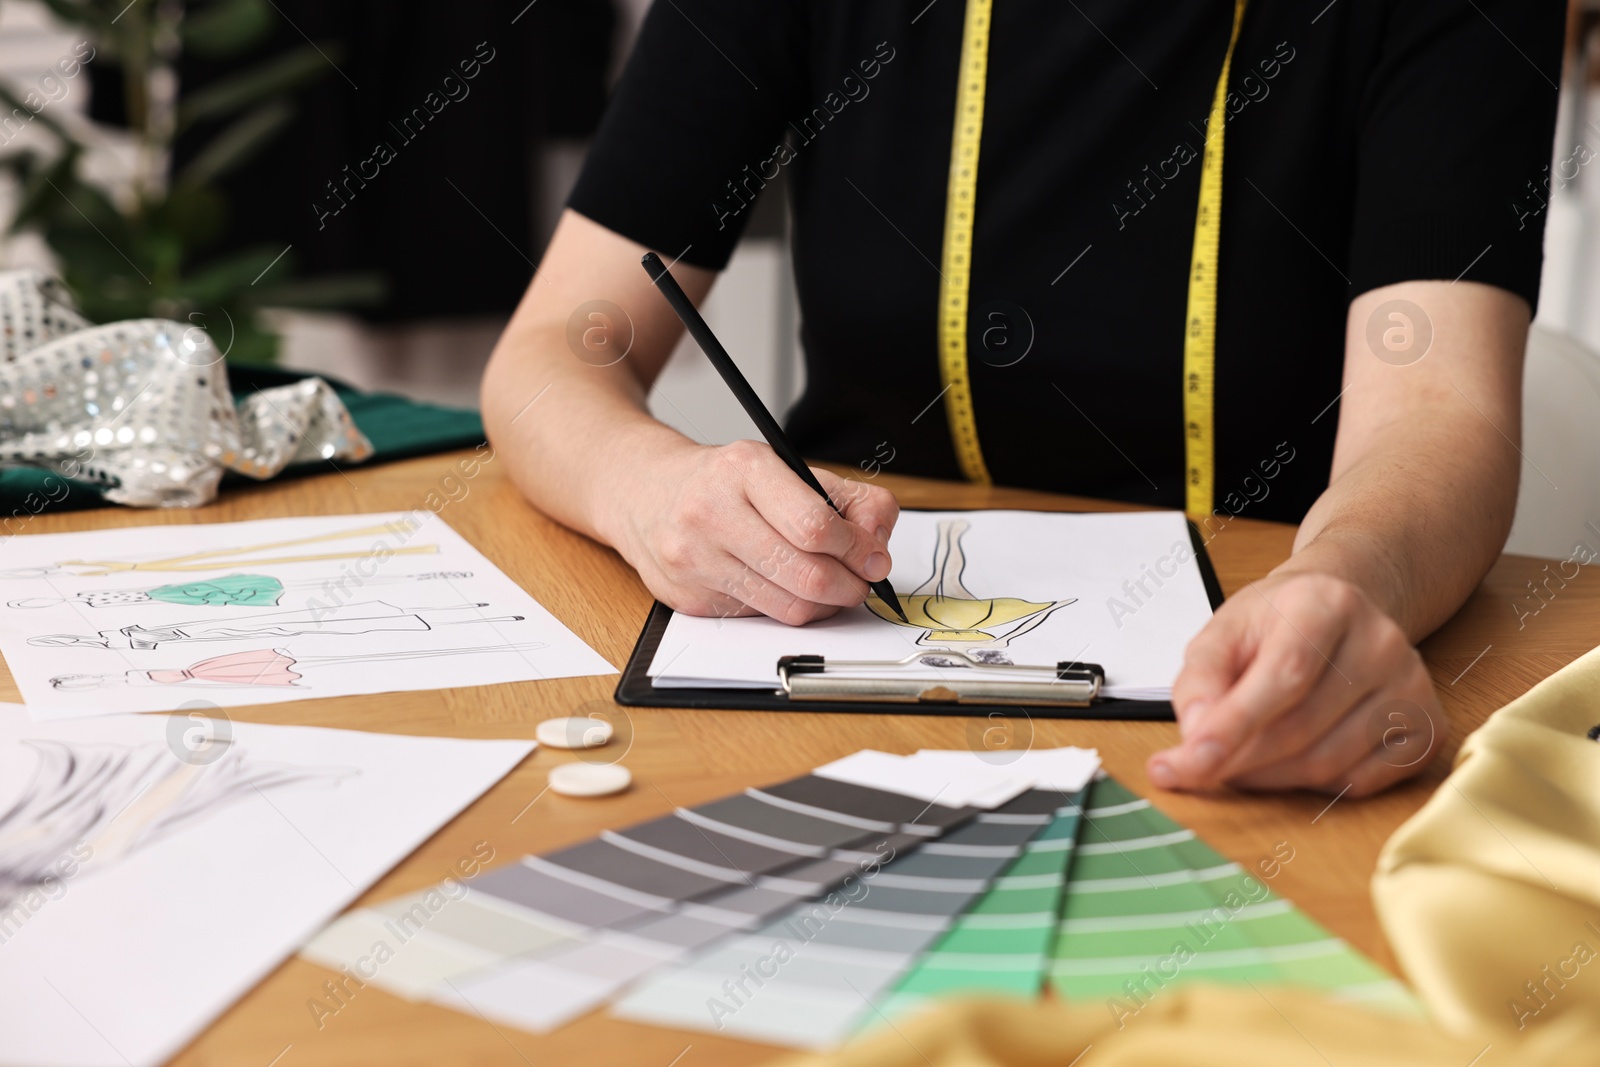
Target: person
(1383, 176)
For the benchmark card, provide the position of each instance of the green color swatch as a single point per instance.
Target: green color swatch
(1000, 946)
(1149, 906)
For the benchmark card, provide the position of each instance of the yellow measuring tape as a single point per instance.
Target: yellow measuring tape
(959, 210)
(1200, 334)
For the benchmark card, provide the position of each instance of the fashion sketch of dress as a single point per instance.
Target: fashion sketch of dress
(230, 590)
(100, 801)
(948, 615)
(366, 617)
(260, 667)
(244, 556)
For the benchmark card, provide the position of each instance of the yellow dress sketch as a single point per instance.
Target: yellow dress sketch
(949, 615)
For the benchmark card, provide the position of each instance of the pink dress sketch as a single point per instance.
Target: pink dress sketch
(263, 666)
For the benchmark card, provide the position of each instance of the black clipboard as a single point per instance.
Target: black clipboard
(635, 690)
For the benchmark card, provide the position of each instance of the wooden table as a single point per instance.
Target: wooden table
(1480, 660)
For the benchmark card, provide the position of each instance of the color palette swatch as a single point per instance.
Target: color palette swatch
(1149, 906)
(1002, 945)
(804, 912)
(541, 941)
(643, 897)
(815, 973)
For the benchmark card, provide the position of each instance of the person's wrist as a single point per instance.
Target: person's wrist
(633, 468)
(1365, 567)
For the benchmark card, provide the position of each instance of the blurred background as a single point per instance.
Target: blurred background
(362, 189)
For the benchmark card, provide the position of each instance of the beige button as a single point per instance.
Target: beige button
(589, 780)
(573, 732)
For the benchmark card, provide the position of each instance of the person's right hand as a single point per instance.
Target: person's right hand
(731, 530)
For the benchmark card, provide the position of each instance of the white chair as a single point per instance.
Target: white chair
(1560, 494)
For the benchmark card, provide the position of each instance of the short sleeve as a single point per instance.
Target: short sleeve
(1457, 118)
(701, 104)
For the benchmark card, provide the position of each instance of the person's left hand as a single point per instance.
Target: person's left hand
(1300, 681)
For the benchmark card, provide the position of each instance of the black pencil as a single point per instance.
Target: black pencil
(701, 332)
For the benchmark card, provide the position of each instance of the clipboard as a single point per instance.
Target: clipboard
(1065, 690)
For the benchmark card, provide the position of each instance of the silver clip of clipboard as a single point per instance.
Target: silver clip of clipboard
(1067, 684)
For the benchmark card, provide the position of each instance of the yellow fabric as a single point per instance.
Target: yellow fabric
(1493, 884)
(1496, 881)
(1192, 1026)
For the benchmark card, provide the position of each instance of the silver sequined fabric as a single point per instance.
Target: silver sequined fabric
(142, 408)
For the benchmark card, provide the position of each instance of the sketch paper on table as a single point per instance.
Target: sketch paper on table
(1121, 589)
(378, 603)
(142, 893)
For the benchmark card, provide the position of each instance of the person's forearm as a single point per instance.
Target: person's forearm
(568, 431)
(713, 530)
(564, 394)
(1417, 522)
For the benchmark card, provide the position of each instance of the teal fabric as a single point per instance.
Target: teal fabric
(399, 428)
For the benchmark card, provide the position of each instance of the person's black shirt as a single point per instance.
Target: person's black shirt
(1369, 142)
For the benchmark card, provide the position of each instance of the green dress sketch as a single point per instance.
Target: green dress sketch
(241, 589)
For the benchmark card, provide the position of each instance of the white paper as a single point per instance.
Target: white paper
(952, 785)
(152, 872)
(333, 606)
(1121, 590)
(963, 778)
(1066, 769)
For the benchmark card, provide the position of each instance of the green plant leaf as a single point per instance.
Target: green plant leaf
(196, 214)
(163, 250)
(251, 343)
(326, 291)
(94, 265)
(236, 92)
(42, 190)
(237, 144)
(26, 166)
(12, 103)
(78, 14)
(225, 28)
(73, 204)
(226, 280)
(112, 298)
(22, 163)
